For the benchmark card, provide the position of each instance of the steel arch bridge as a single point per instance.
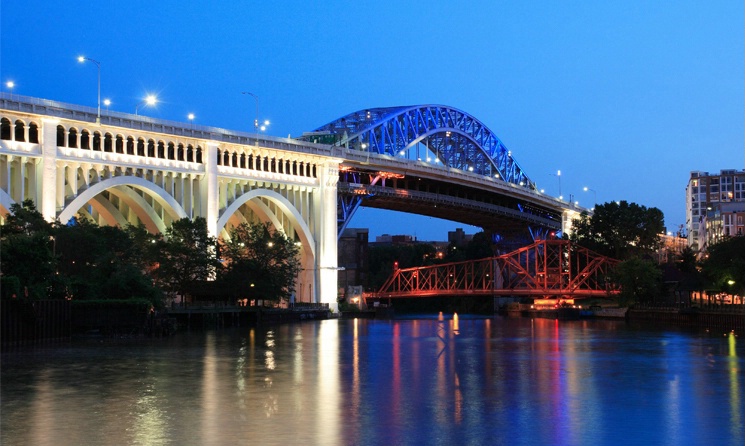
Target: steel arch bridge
(455, 138)
(439, 145)
(545, 269)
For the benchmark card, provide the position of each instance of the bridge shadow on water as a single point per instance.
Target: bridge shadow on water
(446, 305)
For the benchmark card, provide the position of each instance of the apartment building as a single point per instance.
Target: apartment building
(715, 207)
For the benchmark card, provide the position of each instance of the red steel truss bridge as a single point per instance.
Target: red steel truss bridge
(545, 269)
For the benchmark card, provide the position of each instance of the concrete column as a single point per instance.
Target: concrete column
(48, 207)
(325, 234)
(209, 193)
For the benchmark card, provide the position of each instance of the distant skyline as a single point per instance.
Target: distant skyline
(625, 99)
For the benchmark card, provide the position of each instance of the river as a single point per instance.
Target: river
(419, 381)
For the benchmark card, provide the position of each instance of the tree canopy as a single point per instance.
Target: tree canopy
(260, 263)
(620, 230)
(724, 265)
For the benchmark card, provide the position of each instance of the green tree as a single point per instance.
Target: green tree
(27, 250)
(260, 263)
(185, 256)
(724, 265)
(105, 262)
(640, 281)
(620, 230)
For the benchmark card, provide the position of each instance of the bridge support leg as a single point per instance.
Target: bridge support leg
(326, 236)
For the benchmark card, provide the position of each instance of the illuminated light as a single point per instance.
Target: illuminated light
(10, 84)
(363, 145)
(107, 102)
(270, 244)
(252, 285)
(437, 160)
(191, 116)
(470, 169)
(151, 99)
(509, 153)
(543, 191)
(496, 175)
(522, 183)
(402, 153)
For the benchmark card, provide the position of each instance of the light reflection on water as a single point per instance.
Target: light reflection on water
(447, 380)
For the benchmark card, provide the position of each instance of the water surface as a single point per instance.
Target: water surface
(473, 381)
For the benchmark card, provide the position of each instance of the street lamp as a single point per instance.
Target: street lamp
(151, 99)
(256, 121)
(558, 175)
(191, 119)
(82, 59)
(107, 102)
(594, 196)
(10, 85)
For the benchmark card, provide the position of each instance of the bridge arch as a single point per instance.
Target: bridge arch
(265, 214)
(455, 138)
(122, 186)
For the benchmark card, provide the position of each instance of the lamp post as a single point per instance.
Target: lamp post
(191, 119)
(82, 59)
(107, 102)
(558, 175)
(256, 121)
(594, 196)
(10, 85)
(151, 99)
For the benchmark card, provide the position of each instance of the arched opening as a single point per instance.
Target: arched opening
(85, 140)
(235, 160)
(161, 149)
(150, 148)
(250, 162)
(33, 133)
(199, 154)
(190, 154)
(225, 158)
(273, 165)
(72, 138)
(107, 140)
(119, 144)
(96, 141)
(5, 129)
(171, 151)
(219, 157)
(20, 133)
(140, 147)
(180, 152)
(243, 161)
(130, 145)
(60, 136)
(294, 167)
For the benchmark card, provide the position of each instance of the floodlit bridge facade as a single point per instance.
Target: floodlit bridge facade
(126, 169)
(133, 169)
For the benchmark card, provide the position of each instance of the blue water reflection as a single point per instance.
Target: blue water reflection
(425, 380)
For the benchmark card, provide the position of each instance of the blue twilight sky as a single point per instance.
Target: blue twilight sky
(624, 97)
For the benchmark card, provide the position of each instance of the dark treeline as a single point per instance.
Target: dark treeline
(80, 260)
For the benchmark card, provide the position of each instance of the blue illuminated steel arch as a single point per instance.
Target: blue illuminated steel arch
(456, 138)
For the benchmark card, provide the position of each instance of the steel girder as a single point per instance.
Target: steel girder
(543, 269)
(455, 138)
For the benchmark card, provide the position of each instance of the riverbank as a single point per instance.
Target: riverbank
(728, 319)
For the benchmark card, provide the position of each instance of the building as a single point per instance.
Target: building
(353, 257)
(715, 207)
